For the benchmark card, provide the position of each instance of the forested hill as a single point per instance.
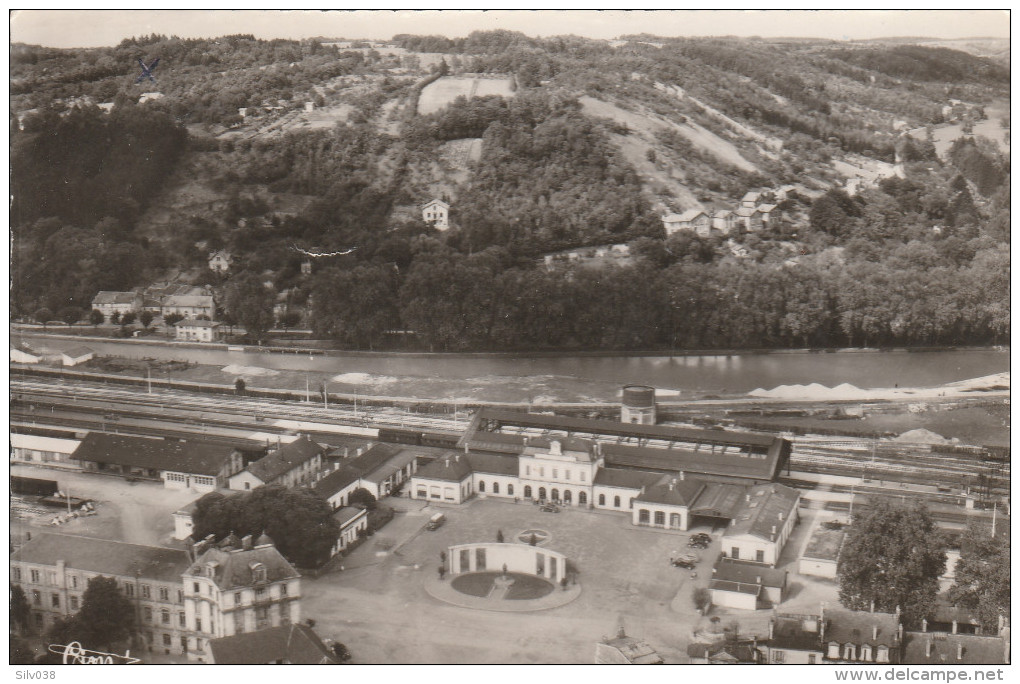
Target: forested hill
(549, 152)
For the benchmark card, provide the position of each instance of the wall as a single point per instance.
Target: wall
(668, 512)
(817, 568)
(440, 491)
(626, 495)
(509, 486)
(733, 599)
(517, 558)
(239, 480)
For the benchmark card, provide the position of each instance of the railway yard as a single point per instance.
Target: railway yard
(956, 481)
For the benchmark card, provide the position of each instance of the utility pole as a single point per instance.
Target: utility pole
(148, 377)
(995, 510)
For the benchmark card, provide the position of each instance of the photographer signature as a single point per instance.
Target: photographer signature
(74, 654)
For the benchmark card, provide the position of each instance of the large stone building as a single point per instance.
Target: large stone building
(235, 587)
(290, 465)
(54, 570)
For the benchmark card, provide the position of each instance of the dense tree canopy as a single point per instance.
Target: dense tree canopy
(892, 559)
(983, 576)
(300, 523)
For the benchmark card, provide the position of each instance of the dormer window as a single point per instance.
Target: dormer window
(258, 572)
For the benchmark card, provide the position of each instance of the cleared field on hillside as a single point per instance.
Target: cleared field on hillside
(437, 95)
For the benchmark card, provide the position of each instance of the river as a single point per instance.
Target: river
(566, 378)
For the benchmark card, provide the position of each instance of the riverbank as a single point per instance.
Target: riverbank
(20, 332)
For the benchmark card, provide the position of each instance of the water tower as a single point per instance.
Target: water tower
(638, 405)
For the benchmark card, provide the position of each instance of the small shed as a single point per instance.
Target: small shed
(76, 355)
(22, 354)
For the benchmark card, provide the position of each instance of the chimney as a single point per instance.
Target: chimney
(772, 628)
(671, 484)
(872, 605)
(927, 649)
(780, 516)
(955, 626)
(773, 530)
(457, 458)
(924, 624)
(747, 497)
(447, 462)
(757, 580)
(959, 651)
(246, 542)
(874, 633)
(681, 475)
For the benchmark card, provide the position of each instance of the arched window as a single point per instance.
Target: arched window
(643, 516)
(481, 486)
(555, 494)
(660, 518)
(602, 499)
(616, 502)
(566, 496)
(495, 488)
(674, 520)
(582, 498)
(527, 491)
(510, 489)
(541, 492)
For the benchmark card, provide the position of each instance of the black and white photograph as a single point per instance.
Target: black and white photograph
(476, 337)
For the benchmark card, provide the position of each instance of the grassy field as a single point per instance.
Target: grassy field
(437, 95)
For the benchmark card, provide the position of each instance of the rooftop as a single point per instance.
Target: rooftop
(948, 649)
(188, 300)
(108, 297)
(740, 572)
(634, 650)
(349, 513)
(731, 464)
(824, 544)
(764, 511)
(294, 644)
(691, 214)
(493, 464)
(796, 633)
(285, 459)
(451, 467)
(105, 556)
(78, 351)
(195, 323)
(858, 627)
(626, 479)
(202, 458)
(674, 493)
(232, 568)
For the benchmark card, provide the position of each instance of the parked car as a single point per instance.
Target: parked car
(435, 522)
(550, 508)
(699, 541)
(687, 560)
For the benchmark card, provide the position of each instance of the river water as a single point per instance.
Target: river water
(566, 378)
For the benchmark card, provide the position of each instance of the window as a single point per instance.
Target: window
(582, 498)
(566, 474)
(882, 654)
(147, 614)
(74, 581)
(262, 618)
(239, 622)
(759, 556)
(643, 517)
(164, 616)
(146, 591)
(36, 598)
(734, 552)
(778, 657)
(16, 574)
(129, 590)
(51, 578)
(555, 494)
(39, 619)
(541, 492)
(527, 470)
(866, 652)
(259, 572)
(35, 577)
(180, 596)
(556, 473)
(260, 593)
(55, 600)
(74, 602)
(184, 644)
(527, 491)
(541, 472)
(616, 502)
(602, 499)
(849, 652)
(660, 518)
(195, 588)
(495, 488)
(811, 659)
(510, 489)
(164, 594)
(283, 590)
(481, 486)
(167, 640)
(583, 476)
(566, 496)
(182, 620)
(237, 599)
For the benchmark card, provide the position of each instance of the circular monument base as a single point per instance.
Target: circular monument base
(516, 592)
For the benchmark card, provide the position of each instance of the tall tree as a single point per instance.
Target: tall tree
(251, 303)
(893, 557)
(20, 610)
(982, 576)
(106, 616)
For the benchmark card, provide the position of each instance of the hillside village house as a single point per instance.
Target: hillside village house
(219, 261)
(189, 306)
(54, 570)
(749, 219)
(194, 330)
(770, 214)
(120, 303)
(201, 466)
(436, 213)
(235, 587)
(723, 221)
(694, 220)
(290, 465)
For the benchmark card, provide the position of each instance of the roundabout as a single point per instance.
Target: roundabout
(541, 537)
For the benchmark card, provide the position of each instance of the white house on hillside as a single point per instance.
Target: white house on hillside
(437, 213)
